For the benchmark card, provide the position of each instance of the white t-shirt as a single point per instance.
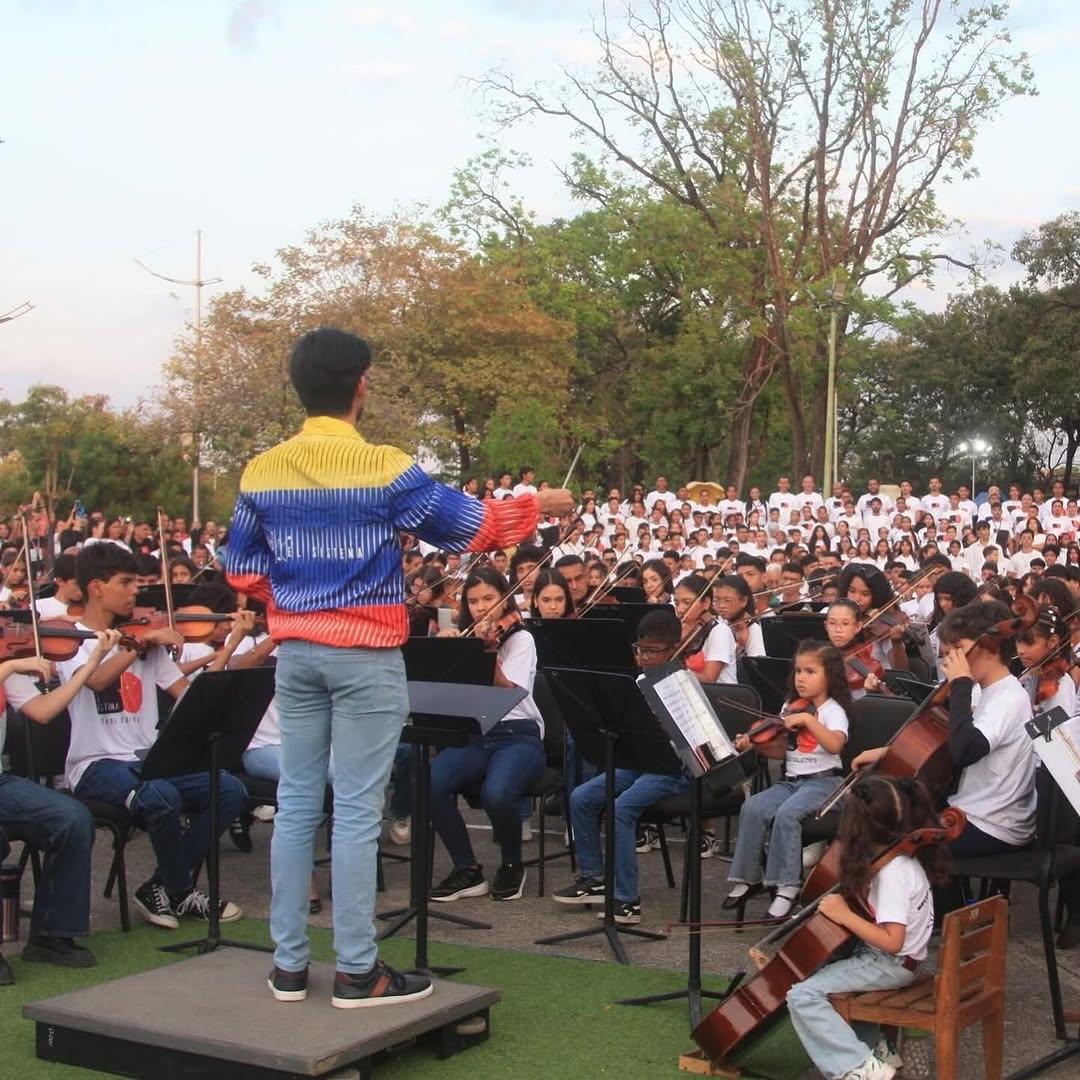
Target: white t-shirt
(18, 690)
(268, 733)
(668, 498)
(862, 505)
(900, 893)
(524, 489)
(1065, 697)
(998, 792)
(726, 507)
(809, 756)
(517, 658)
(49, 607)
(720, 645)
(811, 499)
(502, 493)
(936, 504)
(120, 720)
(784, 501)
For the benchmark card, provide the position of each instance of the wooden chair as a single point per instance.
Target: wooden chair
(969, 987)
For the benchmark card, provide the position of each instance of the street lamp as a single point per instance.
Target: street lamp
(836, 302)
(976, 447)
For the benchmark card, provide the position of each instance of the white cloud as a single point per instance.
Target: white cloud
(371, 17)
(377, 71)
(453, 29)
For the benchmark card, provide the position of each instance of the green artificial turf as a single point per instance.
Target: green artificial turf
(556, 1015)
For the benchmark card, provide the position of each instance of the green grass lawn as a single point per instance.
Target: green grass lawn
(556, 1014)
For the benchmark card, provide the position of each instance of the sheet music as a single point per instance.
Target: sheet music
(682, 696)
(1060, 753)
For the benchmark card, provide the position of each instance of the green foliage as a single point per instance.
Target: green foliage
(69, 448)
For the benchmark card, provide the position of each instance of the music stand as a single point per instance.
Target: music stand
(782, 633)
(697, 735)
(614, 728)
(627, 612)
(443, 714)
(215, 718)
(600, 644)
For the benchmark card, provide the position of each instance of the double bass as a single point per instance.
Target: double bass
(813, 939)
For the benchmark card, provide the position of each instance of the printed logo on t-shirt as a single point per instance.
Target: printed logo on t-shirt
(126, 696)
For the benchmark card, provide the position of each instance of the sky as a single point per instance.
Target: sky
(127, 125)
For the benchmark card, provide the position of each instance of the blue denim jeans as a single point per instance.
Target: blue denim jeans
(157, 806)
(635, 792)
(401, 798)
(63, 830)
(784, 805)
(263, 762)
(504, 763)
(834, 1046)
(354, 700)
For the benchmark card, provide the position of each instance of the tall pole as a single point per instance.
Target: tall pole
(973, 471)
(196, 422)
(830, 410)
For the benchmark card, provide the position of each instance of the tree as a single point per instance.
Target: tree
(449, 332)
(811, 136)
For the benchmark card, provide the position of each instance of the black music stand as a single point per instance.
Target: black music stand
(443, 714)
(593, 644)
(614, 728)
(716, 777)
(215, 718)
(630, 613)
(782, 633)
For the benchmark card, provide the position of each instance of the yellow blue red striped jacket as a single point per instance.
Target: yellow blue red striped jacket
(315, 533)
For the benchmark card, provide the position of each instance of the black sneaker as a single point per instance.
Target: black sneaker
(647, 839)
(288, 985)
(153, 903)
(196, 905)
(509, 882)
(709, 846)
(240, 834)
(382, 985)
(61, 951)
(627, 912)
(6, 977)
(459, 883)
(585, 890)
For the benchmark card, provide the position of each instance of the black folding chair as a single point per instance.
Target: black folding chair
(1045, 863)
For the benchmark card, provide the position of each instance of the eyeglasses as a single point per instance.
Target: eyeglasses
(650, 650)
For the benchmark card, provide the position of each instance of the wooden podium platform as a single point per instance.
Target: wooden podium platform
(213, 1017)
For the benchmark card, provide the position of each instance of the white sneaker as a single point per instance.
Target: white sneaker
(264, 813)
(871, 1069)
(886, 1053)
(400, 831)
(812, 853)
(526, 830)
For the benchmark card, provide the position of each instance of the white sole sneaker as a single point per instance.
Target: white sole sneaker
(286, 995)
(167, 922)
(461, 894)
(390, 999)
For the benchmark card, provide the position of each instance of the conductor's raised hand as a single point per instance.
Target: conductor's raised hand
(555, 502)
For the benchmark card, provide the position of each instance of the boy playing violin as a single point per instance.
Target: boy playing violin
(114, 719)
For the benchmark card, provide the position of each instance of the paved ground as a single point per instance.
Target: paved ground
(1029, 1030)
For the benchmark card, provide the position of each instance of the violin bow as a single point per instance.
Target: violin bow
(573, 465)
(30, 585)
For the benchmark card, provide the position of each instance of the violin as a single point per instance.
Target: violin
(766, 735)
(919, 749)
(59, 641)
(857, 667)
(501, 630)
(813, 939)
(1049, 678)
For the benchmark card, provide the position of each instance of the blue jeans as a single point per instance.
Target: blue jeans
(635, 792)
(263, 762)
(784, 805)
(833, 1045)
(354, 700)
(63, 830)
(504, 763)
(401, 798)
(157, 806)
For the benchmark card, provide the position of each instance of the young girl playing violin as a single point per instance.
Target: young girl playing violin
(844, 625)
(892, 941)
(816, 724)
(1044, 651)
(870, 589)
(734, 603)
(710, 646)
(504, 762)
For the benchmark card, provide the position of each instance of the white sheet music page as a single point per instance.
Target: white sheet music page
(684, 699)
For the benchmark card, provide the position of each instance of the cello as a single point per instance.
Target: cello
(813, 939)
(919, 749)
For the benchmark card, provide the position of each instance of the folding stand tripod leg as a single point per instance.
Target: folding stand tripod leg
(213, 937)
(419, 873)
(610, 928)
(693, 992)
